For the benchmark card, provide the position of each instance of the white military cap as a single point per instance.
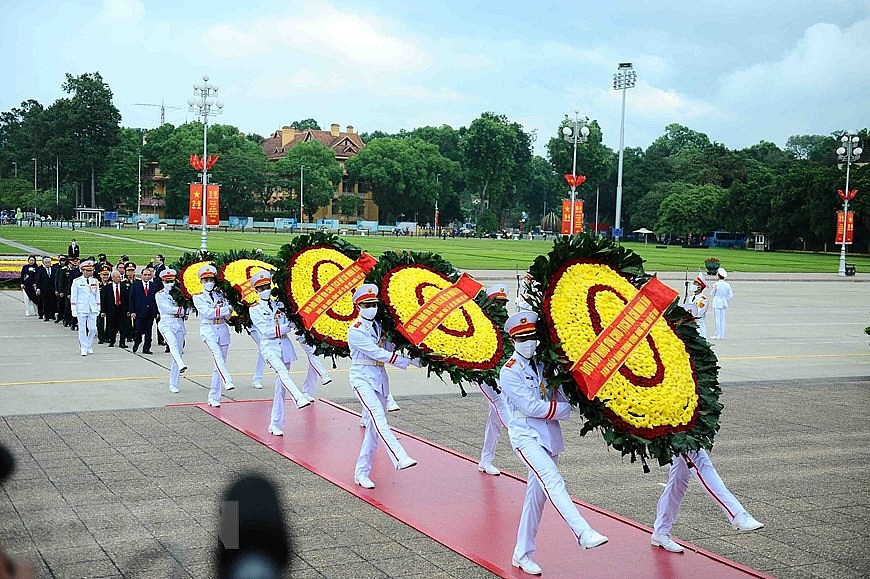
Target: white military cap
(86, 264)
(722, 273)
(521, 323)
(261, 277)
(168, 273)
(367, 292)
(207, 270)
(497, 292)
(700, 281)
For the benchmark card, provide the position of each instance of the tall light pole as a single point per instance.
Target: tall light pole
(204, 105)
(34, 173)
(56, 182)
(849, 151)
(578, 131)
(301, 193)
(437, 176)
(15, 166)
(624, 79)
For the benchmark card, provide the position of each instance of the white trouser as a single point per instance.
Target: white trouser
(495, 423)
(221, 374)
(678, 482)
(29, 306)
(259, 368)
(544, 482)
(373, 404)
(315, 373)
(271, 352)
(720, 322)
(173, 334)
(87, 330)
(702, 327)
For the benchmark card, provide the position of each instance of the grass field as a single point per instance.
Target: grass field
(141, 246)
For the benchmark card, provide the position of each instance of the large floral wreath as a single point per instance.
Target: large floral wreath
(467, 346)
(664, 399)
(308, 263)
(187, 277)
(234, 271)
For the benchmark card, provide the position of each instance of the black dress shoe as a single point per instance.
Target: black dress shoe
(166, 351)
(111, 345)
(57, 321)
(123, 346)
(135, 347)
(147, 352)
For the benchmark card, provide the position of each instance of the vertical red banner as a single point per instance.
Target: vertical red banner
(194, 210)
(212, 206)
(849, 227)
(566, 217)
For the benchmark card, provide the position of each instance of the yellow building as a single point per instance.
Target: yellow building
(345, 145)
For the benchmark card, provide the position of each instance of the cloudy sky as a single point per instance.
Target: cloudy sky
(741, 71)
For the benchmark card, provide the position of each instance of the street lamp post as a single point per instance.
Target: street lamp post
(15, 167)
(578, 131)
(301, 193)
(34, 173)
(204, 105)
(624, 79)
(849, 151)
(437, 177)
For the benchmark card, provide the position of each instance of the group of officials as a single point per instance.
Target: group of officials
(522, 403)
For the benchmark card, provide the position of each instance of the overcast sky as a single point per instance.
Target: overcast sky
(741, 71)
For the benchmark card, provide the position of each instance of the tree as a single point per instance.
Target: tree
(322, 174)
(748, 203)
(690, 208)
(594, 159)
(646, 211)
(803, 146)
(120, 180)
(13, 192)
(240, 170)
(349, 204)
(306, 124)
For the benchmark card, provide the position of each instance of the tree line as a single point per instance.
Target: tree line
(485, 173)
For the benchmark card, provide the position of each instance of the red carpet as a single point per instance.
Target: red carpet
(471, 513)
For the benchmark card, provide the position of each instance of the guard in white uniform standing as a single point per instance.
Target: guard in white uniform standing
(273, 327)
(697, 305)
(536, 437)
(682, 467)
(171, 326)
(721, 296)
(522, 291)
(499, 414)
(368, 377)
(84, 299)
(214, 311)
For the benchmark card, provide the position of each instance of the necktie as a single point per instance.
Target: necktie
(117, 295)
(211, 295)
(146, 288)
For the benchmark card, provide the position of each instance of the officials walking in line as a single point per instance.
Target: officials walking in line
(171, 325)
(143, 310)
(214, 310)
(45, 276)
(28, 286)
(85, 304)
(536, 437)
(114, 306)
(273, 328)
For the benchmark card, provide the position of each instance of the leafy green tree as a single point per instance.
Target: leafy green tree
(13, 192)
(594, 159)
(804, 205)
(748, 205)
(349, 204)
(690, 208)
(322, 174)
(806, 146)
(240, 169)
(120, 180)
(20, 137)
(305, 124)
(646, 210)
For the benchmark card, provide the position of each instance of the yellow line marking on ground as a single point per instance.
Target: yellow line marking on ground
(128, 378)
(784, 356)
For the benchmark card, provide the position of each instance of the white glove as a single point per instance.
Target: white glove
(417, 362)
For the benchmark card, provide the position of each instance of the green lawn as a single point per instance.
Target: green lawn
(141, 246)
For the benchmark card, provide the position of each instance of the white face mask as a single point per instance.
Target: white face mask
(265, 294)
(368, 313)
(208, 286)
(526, 349)
(168, 285)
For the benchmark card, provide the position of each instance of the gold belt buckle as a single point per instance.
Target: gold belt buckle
(379, 364)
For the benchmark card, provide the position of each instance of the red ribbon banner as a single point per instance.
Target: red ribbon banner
(436, 309)
(340, 285)
(194, 210)
(609, 351)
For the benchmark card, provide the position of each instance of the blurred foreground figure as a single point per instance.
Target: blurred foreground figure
(254, 542)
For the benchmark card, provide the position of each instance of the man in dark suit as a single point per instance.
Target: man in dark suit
(45, 276)
(114, 304)
(74, 272)
(60, 292)
(159, 266)
(103, 270)
(143, 310)
(126, 329)
(73, 249)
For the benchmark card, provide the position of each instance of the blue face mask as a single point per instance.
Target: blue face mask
(526, 349)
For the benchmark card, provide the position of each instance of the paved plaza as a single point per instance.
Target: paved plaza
(111, 481)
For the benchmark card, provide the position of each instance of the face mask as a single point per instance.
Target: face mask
(208, 286)
(368, 313)
(526, 349)
(265, 294)
(695, 287)
(169, 285)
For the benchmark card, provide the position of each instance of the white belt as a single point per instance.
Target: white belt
(217, 322)
(369, 363)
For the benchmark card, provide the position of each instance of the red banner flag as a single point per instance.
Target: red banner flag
(609, 351)
(566, 217)
(436, 309)
(849, 226)
(575, 181)
(194, 210)
(212, 206)
(342, 284)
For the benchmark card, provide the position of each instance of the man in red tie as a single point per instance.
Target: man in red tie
(143, 310)
(114, 304)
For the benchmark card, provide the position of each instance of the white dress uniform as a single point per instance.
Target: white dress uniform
(273, 327)
(214, 311)
(499, 414)
(260, 365)
(171, 325)
(697, 304)
(84, 297)
(721, 296)
(369, 354)
(536, 437)
(317, 373)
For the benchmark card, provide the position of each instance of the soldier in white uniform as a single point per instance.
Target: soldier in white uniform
(499, 415)
(214, 311)
(317, 374)
(721, 296)
(522, 304)
(84, 298)
(536, 437)
(368, 378)
(682, 467)
(697, 305)
(171, 326)
(273, 327)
